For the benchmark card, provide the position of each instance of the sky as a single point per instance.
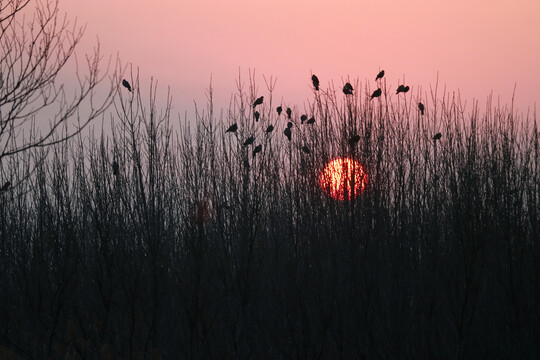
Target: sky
(475, 47)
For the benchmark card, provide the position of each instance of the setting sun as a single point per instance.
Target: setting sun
(343, 178)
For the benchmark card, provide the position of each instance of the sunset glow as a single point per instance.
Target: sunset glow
(343, 178)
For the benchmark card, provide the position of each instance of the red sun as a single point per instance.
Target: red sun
(343, 178)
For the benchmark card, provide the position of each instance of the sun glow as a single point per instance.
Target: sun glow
(343, 178)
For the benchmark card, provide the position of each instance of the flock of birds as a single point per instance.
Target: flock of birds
(347, 90)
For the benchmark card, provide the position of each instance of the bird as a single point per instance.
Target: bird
(289, 124)
(289, 113)
(259, 101)
(232, 128)
(269, 129)
(437, 136)
(311, 120)
(315, 81)
(379, 75)
(287, 133)
(405, 89)
(125, 83)
(6, 186)
(400, 88)
(305, 149)
(348, 89)
(257, 149)
(354, 139)
(256, 115)
(279, 109)
(421, 108)
(249, 141)
(303, 118)
(115, 168)
(376, 93)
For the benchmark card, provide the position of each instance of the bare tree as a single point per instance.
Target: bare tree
(37, 107)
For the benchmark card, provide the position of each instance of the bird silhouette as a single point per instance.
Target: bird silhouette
(348, 89)
(256, 115)
(405, 89)
(249, 141)
(6, 186)
(289, 124)
(306, 149)
(115, 168)
(279, 109)
(257, 149)
(289, 113)
(125, 83)
(303, 118)
(287, 133)
(311, 120)
(232, 128)
(270, 128)
(376, 93)
(437, 136)
(259, 101)
(421, 108)
(315, 81)
(379, 75)
(401, 88)
(354, 139)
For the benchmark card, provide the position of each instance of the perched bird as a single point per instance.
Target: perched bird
(125, 83)
(376, 93)
(354, 139)
(289, 124)
(287, 133)
(115, 168)
(303, 118)
(279, 109)
(257, 149)
(6, 186)
(348, 89)
(289, 113)
(269, 129)
(232, 128)
(402, 88)
(259, 101)
(311, 120)
(421, 108)
(379, 75)
(249, 141)
(437, 136)
(256, 115)
(305, 149)
(315, 81)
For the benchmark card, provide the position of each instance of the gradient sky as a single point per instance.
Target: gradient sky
(477, 47)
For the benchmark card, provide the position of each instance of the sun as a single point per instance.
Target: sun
(343, 178)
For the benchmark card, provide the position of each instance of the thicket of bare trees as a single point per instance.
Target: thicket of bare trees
(437, 258)
(37, 108)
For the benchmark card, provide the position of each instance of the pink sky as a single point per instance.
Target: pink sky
(477, 47)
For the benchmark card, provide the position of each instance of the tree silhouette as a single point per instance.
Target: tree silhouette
(33, 51)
